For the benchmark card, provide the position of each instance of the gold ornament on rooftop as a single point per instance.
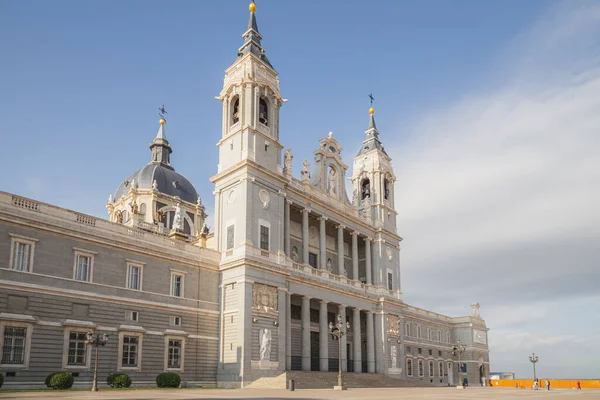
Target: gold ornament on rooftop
(252, 7)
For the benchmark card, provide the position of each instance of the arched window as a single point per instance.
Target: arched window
(235, 110)
(386, 188)
(143, 208)
(263, 112)
(365, 189)
(125, 216)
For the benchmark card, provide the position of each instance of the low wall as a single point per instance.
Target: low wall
(554, 383)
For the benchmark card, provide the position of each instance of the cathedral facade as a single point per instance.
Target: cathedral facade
(288, 258)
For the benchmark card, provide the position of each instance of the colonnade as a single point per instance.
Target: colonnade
(323, 244)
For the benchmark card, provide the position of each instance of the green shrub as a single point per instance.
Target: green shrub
(47, 380)
(121, 381)
(110, 380)
(168, 380)
(61, 380)
(1, 380)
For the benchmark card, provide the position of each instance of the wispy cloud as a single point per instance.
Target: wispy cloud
(498, 193)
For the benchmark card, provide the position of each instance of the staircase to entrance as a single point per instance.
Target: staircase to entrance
(327, 380)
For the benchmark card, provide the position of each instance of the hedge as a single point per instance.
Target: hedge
(61, 380)
(168, 380)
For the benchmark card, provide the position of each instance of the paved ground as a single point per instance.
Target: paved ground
(352, 394)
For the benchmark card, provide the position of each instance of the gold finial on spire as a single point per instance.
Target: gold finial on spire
(371, 110)
(252, 7)
(161, 114)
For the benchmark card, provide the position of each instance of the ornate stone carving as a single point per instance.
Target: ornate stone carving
(178, 219)
(295, 254)
(305, 172)
(388, 252)
(393, 324)
(264, 298)
(119, 216)
(393, 354)
(265, 198)
(475, 311)
(265, 344)
(134, 207)
(332, 182)
(287, 162)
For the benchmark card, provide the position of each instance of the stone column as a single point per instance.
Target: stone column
(340, 250)
(282, 328)
(356, 340)
(306, 333)
(288, 329)
(245, 325)
(323, 337)
(370, 343)
(305, 213)
(355, 255)
(286, 228)
(368, 261)
(381, 364)
(322, 243)
(376, 270)
(344, 355)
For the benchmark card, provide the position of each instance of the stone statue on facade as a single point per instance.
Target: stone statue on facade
(355, 197)
(133, 184)
(154, 185)
(331, 181)
(329, 265)
(295, 254)
(305, 172)
(134, 207)
(159, 216)
(287, 162)
(110, 198)
(394, 357)
(119, 216)
(475, 310)
(366, 210)
(265, 344)
(178, 219)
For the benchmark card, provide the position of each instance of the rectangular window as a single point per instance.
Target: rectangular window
(82, 267)
(419, 350)
(407, 349)
(77, 349)
(439, 336)
(132, 316)
(230, 236)
(441, 368)
(130, 351)
(295, 311)
(390, 281)
(407, 329)
(264, 238)
(429, 334)
(418, 331)
(177, 285)
(447, 337)
(430, 368)
(134, 277)
(312, 260)
(174, 356)
(430, 352)
(409, 369)
(175, 321)
(13, 348)
(22, 254)
(439, 353)
(421, 371)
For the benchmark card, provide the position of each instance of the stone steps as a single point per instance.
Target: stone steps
(326, 380)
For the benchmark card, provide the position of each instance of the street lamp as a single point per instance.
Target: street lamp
(96, 341)
(336, 331)
(457, 350)
(533, 359)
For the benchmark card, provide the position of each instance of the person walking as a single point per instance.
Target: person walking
(578, 385)
(547, 384)
(535, 385)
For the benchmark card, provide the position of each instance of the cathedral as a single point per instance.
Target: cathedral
(290, 263)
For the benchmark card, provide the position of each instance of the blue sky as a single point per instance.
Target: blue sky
(489, 109)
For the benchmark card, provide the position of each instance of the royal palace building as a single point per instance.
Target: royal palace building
(250, 300)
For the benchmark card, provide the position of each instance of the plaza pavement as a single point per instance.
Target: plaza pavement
(351, 394)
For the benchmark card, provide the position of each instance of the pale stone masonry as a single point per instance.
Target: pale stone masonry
(251, 300)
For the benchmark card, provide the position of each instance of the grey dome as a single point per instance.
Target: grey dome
(168, 182)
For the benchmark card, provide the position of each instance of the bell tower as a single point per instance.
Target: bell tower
(251, 103)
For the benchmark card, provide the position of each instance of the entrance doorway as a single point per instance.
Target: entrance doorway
(314, 351)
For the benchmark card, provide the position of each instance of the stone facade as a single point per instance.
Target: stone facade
(254, 298)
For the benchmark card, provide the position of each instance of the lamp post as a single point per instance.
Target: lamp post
(337, 331)
(96, 341)
(533, 359)
(457, 350)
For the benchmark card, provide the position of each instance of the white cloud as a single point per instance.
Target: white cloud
(498, 193)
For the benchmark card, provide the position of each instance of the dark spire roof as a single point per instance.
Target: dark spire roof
(160, 147)
(372, 141)
(252, 39)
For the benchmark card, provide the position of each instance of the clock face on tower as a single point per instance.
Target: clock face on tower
(479, 337)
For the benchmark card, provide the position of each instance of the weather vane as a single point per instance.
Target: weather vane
(372, 98)
(162, 112)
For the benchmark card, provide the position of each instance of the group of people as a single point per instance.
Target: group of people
(536, 384)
